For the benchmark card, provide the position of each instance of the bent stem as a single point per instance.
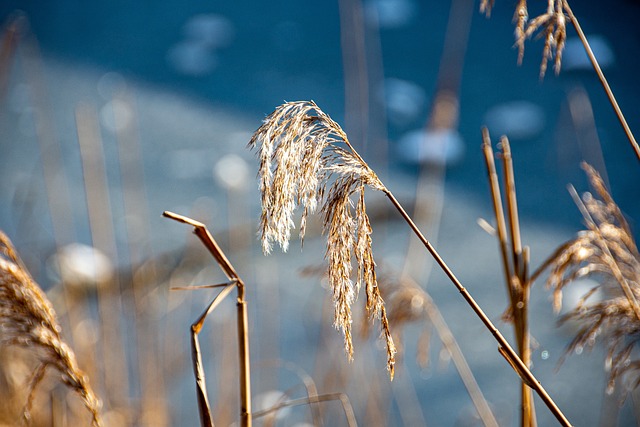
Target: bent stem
(603, 80)
(200, 230)
(505, 349)
(344, 400)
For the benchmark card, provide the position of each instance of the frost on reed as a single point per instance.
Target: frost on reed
(28, 320)
(550, 25)
(306, 160)
(605, 251)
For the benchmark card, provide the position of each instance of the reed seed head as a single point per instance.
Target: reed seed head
(486, 6)
(306, 160)
(28, 320)
(605, 251)
(551, 25)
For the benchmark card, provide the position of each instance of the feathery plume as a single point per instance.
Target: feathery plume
(606, 251)
(552, 25)
(28, 320)
(486, 6)
(307, 160)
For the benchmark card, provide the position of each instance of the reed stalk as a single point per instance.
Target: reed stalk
(603, 80)
(201, 231)
(515, 267)
(103, 237)
(298, 134)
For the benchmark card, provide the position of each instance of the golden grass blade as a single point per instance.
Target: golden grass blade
(514, 267)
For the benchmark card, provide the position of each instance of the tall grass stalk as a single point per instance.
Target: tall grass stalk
(515, 265)
(603, 80)
(308, 147)
(103, 237)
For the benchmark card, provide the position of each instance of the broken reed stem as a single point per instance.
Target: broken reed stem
(516, 280)
(501, 225)
(512, 206)
(506, 350)
(603, 80)
(204, 408)
(201, 231)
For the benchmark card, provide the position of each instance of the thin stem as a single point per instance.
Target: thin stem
(515, 276)
(450, 343)
(501, 224)
(346, 405)
(518, 283)
(245, 366)
(204, 408)
(603, 80)
(512, 206)
(504, 348)
(210, 243)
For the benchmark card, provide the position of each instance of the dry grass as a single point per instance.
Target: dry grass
(515, 260)
(607, 252)
(306, 159)
(550, 25)
(298, 134)
(28, 320)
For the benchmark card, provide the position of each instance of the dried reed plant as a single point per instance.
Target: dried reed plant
(552, 25)
(607, 252)
(28, 320)
(306, 159)
(234, 281)
(515, 260)
(298, 138)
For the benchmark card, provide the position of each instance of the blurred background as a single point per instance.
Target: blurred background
(113, 112)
